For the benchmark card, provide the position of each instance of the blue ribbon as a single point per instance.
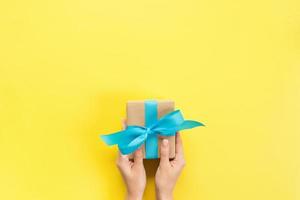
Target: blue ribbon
(133, 137)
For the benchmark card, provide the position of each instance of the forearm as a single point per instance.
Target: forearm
(130, 196)
(163, 195)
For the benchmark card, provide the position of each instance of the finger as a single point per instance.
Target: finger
(138, 157)
(164, 153)
(122, 157)
(178, 146)
(123, 164)
(124, 124)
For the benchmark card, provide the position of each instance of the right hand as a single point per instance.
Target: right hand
(168, 171)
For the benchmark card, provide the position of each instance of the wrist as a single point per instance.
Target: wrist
(134, 196)
(163, 195)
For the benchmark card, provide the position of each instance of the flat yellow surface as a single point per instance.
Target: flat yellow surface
(68, 67)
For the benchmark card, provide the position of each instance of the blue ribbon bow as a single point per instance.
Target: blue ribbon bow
(133, 137)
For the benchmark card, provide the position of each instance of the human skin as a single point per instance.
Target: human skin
(167, 174)
(168, 171)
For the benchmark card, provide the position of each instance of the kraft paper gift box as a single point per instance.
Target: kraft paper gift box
(135, 111)
(148, 123)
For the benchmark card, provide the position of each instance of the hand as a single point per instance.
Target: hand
(168, 171)
(133, 173)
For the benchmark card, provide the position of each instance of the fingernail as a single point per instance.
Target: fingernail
(165, 142)
(139, 151)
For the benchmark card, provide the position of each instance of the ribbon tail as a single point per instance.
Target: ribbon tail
(125, 150)
(133, 145)
(188, 124)
(112, 139)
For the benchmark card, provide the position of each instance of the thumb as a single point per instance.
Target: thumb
(164, 153)
(124, 124)
(138, 157)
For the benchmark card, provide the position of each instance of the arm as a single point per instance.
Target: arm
(133, 173)
(168, 171)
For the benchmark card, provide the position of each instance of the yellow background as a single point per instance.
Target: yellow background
(68, 67)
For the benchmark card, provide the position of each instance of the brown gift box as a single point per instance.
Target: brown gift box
(136, 116)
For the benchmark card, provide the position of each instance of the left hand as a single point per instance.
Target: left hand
(133, 173)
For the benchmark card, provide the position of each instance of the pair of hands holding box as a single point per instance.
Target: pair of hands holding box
(134, 174)
(150, 131)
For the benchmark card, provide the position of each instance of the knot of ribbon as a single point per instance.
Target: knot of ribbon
(133, 137)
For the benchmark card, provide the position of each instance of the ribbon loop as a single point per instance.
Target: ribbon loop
(133, 137)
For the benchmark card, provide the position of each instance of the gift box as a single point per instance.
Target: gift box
(148, 123)
(139, 113)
